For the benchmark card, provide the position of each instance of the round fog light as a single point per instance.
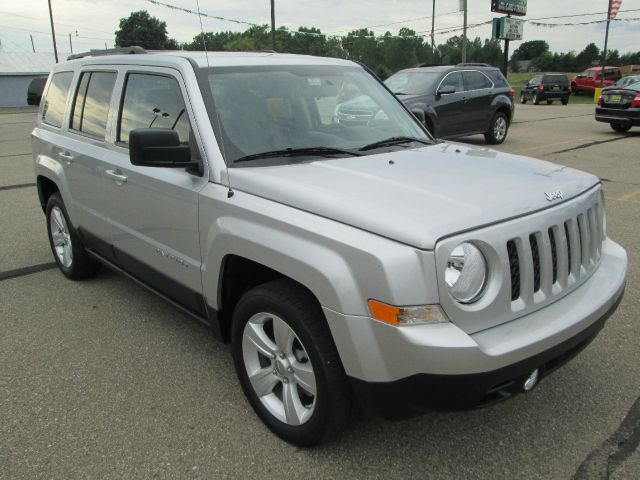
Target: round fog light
(531, 381)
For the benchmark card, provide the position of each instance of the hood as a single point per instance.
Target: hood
(420, 197)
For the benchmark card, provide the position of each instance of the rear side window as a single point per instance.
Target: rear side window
(91, 105)
(54, 105)
(476, 81)
(558, 79)
(497, 78)
(153, 101)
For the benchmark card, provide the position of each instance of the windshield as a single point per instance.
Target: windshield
(412, 83)
(276, 108)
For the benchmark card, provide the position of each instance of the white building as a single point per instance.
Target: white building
(16, 72)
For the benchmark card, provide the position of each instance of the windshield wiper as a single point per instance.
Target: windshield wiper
(394, 141)
(297, 152)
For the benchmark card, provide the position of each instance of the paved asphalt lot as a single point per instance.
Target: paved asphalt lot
(100, 379)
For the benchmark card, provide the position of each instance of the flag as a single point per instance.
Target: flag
(615, 6)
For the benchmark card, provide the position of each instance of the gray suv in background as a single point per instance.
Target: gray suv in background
(454, 101)
(347, 264)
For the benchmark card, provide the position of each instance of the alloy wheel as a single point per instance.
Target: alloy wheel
(500, 128)
(279, 368)
(61, 237)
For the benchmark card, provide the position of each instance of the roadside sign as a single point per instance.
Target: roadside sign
(506, 28)
(510, 7)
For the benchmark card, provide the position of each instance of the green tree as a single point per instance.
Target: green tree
(530, 50)
(589, 56)
(141, 29)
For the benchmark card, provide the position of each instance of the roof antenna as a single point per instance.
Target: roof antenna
(206, 55)
(204, 39)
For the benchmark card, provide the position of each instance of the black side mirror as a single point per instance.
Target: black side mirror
(446, 90)
(160, 147)
(419, 114)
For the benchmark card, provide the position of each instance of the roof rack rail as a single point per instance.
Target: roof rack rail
(109, 51)
(473, 64)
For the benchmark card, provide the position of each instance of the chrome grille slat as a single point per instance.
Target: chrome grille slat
(546, 262)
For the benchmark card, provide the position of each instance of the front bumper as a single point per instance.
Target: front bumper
(442, 366)
(629, 116)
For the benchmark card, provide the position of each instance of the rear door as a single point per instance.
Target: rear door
(153, 212)
(478, 88)
(451, 107)
(87, 130)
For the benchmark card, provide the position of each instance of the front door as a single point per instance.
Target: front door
(153, 211)
(451, 107)
(478, 90)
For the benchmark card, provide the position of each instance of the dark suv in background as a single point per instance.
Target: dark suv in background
(459, 100)
(547, 87)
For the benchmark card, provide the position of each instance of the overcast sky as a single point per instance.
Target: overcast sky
(95, 20)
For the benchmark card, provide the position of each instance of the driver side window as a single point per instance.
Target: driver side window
(454, 79)
(152, 101)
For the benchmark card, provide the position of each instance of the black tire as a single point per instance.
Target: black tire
(549, 102)
(81, 264)
(574, 90)
(523, 98)
(620, 127)
(536, 100)
(333, 401)
(565, 101)
(491, 136)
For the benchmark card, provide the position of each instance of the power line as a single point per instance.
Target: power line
(409, 20)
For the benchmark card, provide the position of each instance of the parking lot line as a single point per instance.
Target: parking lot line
(629, 196)
(547, 145)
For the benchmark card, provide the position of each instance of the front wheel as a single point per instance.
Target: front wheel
(574, 90)
(620, 127)
(498, 129)
(68, 250)
(523, 99)
(549, 102)
(288, 365)
(565, 101)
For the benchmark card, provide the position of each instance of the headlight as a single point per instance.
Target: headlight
(466, 273)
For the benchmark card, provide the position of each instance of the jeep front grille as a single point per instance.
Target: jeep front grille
(545, 262)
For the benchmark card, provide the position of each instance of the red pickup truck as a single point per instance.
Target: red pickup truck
(589, 80)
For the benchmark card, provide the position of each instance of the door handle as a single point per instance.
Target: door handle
(66, 156)
(117, 175)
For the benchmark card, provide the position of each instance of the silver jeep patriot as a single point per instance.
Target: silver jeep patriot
(349, 265)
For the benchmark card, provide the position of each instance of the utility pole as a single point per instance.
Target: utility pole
(606, 40)
(433, 27)
(505, 58)
(53, 33)
(32, 45)
(464, 34)
(70, 44)
(273, 25)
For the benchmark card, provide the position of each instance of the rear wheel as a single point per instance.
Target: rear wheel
(68, 250)
(536, 100)
(523, 99)
(565, 101)
(288, 365)
(498, 129)
(620, 127)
